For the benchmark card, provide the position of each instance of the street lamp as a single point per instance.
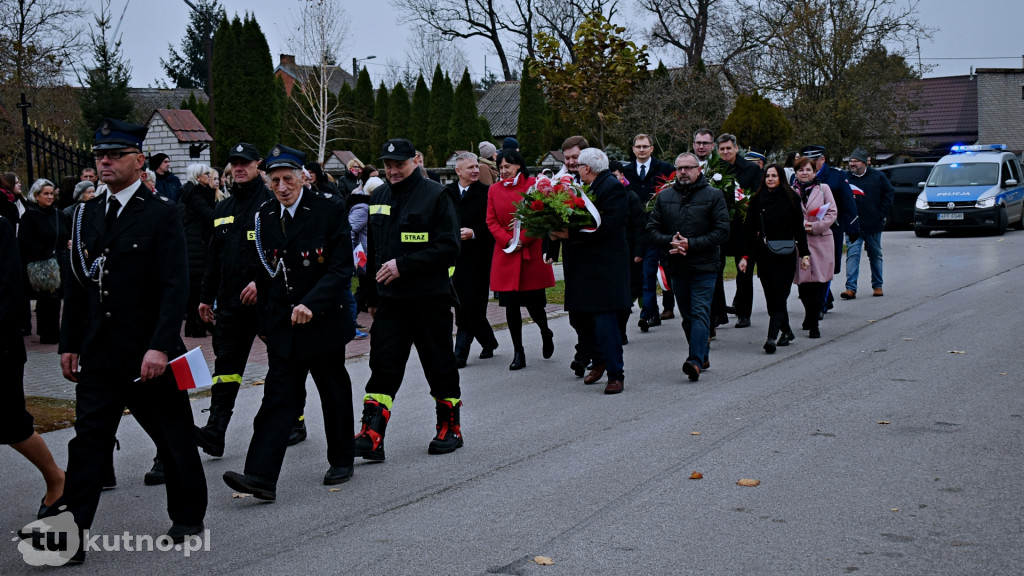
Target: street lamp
(355, 66)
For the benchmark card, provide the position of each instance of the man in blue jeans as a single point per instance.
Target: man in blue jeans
(874, 196)
(691, 220)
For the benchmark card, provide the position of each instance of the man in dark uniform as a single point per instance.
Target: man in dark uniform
(412, 241)
(472, 275)
(122, 321)
(303, 245)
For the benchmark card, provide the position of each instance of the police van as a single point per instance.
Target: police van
(976, 186)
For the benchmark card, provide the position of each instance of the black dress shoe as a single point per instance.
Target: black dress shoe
(518, 360)
(180, 532)
(549, 343)
(155, 476)
(578, 368)
(786, 338)
(656, 321)
(730, 310)
(338, 475)
(644, 326)
(815, 333)
(247, 484)
(743, 322)
(298, 433)
(487, 353)
(769, 346)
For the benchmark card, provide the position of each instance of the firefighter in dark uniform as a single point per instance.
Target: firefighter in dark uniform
(123, 310)
(230, 281)
(412, 241)
(304, 249)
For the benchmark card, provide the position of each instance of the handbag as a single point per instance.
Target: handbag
(779, 247)
(44, 275)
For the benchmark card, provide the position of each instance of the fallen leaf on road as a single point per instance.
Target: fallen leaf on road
(884, 422)
(908, 339)
(334, 489)
(694, 433)
(1003, 373)
(894, 509)
(240, 495)
(872, 321)
(748, 482)
(543, 561)
(957, 352)
(696, 476)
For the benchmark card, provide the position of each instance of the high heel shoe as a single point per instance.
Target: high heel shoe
(518, 360)
(549, 343)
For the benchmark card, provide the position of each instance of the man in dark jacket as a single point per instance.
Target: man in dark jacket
(645, 174)
(122, 322)
(473, 266)
(873, 194)
(304, 247)
(692, 221)
(167, 184)
(596, 265)
(412, 241)
(748, 177)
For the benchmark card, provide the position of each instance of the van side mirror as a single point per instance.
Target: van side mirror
(1009, 182)
(920, 185)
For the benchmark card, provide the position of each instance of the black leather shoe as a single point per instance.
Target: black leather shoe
(578, 368)
(298, 433)
(743, 322)
(769, 346)
(549, 343)
(644, 326)
(155, 476)
(518, 360)
(652, 322)
(487, 353)
(815, 333)
(247, 484)
(691, 370)
(338, 475)
(730, 310)
(786, 338)
(180, 532)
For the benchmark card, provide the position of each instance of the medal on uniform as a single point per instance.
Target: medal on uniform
(320, 255)
(305, 258)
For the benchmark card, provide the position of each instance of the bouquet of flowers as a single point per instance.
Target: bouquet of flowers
(663, 183)
(551, 205)
(720, 175)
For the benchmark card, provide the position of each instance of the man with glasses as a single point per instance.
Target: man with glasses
(123, 312)
(703, 146)
(645, 174)
(691, 221)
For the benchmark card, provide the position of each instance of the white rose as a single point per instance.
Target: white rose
(717, 177)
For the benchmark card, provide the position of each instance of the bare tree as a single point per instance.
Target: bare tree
(320, 32)
(38, 39)
(428, 49)
(562, 18)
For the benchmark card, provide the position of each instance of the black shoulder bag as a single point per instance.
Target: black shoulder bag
(779, 247)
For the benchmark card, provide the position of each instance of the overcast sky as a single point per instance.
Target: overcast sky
(978, 33)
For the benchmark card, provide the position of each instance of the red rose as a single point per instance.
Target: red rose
(537, 205)
(579, 202)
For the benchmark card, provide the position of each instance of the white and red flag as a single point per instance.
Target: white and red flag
(857, 190)
(190, 370)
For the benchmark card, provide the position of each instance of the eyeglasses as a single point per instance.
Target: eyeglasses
(641, 146)
(702, 143)
(687, 168)
(113, 154)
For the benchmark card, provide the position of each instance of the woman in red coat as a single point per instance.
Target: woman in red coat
(519, 277)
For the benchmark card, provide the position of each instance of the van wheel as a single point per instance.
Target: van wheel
(1003, 222)
(1020, 223)
(921, 232)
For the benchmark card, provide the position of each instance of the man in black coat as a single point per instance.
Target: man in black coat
(596, 265)
(473, 266)
(645, 174)
(304, 245)
(122, 321)
(748, 177)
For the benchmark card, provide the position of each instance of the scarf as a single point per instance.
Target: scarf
(805, 189)
(8, 195)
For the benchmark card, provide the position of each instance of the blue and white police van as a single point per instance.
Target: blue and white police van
(976, 186)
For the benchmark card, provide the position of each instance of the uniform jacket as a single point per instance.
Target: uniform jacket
(697, 211)
(847, 221)
(518, 271)
(873, 206)
(319, 230)
(656, 175)
(145, 284)
(232, 264)
(596, 264)
(199, 202)
(819, 239)
(414, 223)
(473, 266)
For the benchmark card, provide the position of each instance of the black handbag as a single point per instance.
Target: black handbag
(779, 247)
(44, 275)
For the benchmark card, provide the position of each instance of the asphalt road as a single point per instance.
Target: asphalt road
(893, 445)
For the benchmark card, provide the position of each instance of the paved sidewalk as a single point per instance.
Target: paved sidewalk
(43, 375)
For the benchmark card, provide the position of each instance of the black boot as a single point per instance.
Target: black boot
(549, 343)
(369, 443)
(211, 437)
(155, 476)
(518, 360)
(449, 432)
(298, 433)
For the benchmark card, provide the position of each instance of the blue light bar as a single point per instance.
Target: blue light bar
(962, 148)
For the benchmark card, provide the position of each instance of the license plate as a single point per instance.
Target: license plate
(951, 216)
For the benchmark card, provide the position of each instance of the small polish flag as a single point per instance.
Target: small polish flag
(857, 190)
(359, 256)
(190, 370)
(821, 211)
(663, 279)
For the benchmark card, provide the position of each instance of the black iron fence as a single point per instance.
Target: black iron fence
(48, 155)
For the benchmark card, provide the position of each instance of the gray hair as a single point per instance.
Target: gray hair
(150, 176)
(466, 156)
(727, 138)
(81, 188)
(194, 171)
(37, 186)
(594, 158)
(691, 155)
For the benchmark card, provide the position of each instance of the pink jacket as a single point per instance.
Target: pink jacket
(819, 239)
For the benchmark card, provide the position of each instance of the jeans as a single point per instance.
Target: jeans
(873, 242)
(649, 306)
(693, 296)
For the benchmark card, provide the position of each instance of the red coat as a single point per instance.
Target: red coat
(519, 271)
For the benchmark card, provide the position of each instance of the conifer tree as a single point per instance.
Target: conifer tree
(380, 119)
(441, 96)
(533, 114)
(420, 116)
(464, 130)
(362, 116)
(398, 113)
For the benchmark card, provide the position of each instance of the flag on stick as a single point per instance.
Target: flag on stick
(190, 370)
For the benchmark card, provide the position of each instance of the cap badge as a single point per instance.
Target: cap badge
(276, 151)
(105, 129)
(391, 147)
(239, 149)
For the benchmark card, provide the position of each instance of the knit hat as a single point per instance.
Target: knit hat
(860, 154)
(510, 143)
(156, 160)
(81, 188)
(487, 150)
(372, 184)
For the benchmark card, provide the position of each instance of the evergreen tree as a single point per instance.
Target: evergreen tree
(106, 93)
(362, 111)
(485, 131)
(464, 129)
(380, 119)
(198, 107)
(441, 96)
(533, 113)
(420, 117)
(757, 122)
(398, 113)
(188, 69)
(343, 132)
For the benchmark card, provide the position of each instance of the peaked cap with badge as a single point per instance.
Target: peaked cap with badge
(115, 134)
(282, 156)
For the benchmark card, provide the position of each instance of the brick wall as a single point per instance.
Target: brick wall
(160, 138)
(1001, 108)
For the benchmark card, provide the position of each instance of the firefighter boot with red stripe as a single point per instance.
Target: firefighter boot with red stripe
(369, 443)
(449, 432)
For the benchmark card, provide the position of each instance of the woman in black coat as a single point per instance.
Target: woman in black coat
(43, 234)
(774, 214)
(197, 197)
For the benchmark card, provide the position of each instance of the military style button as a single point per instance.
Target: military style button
(107, 314)
(105, 272)
(106, 250)
(284, 252)
(106, 293)
(135, 245)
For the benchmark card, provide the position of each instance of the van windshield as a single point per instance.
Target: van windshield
(964, 174)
